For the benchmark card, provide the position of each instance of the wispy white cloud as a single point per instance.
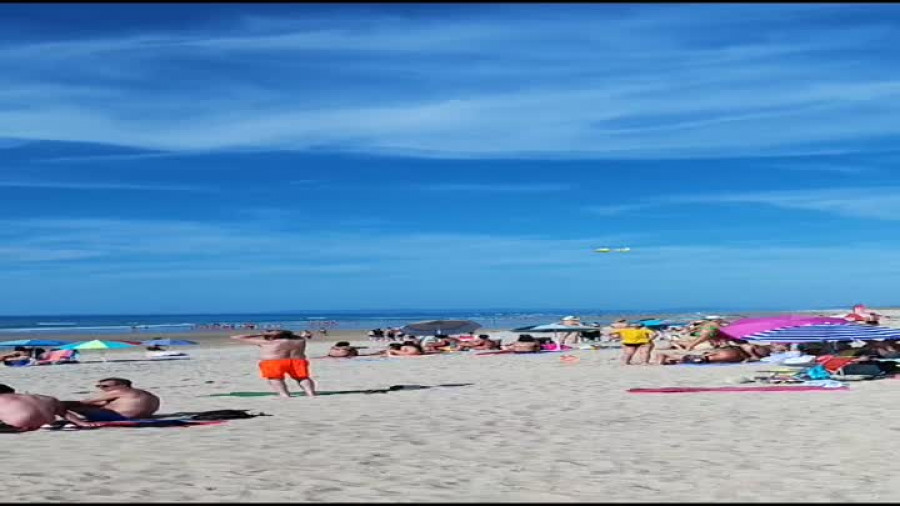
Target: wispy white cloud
(497, 187)
(612, 210)
(881, 203)
(63, 185)
(644, 82)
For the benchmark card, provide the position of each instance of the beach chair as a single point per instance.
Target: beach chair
(59, 357)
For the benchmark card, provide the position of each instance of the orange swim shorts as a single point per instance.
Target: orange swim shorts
(276, 369)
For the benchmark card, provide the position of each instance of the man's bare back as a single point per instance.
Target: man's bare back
(29, 412)
(119, 396)
(274, 347)
(132, 402)
(282, 353)
(278, 349)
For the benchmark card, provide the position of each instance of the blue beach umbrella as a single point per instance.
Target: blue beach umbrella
(28, 343)
(820, 333)
(652, 322)
(168, 342)
(558, 327)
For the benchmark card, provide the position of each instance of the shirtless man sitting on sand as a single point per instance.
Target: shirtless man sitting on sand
(117, 401)
(281, 352)
(22, 412)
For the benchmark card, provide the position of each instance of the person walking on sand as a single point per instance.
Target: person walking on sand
(281, 352)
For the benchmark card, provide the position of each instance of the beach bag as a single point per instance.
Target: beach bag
(226, 414)
(871, 370)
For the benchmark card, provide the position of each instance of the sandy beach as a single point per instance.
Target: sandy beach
(527, 428)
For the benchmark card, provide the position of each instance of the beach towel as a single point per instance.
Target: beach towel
(510, 352)
(708, 364)
(768, 388)
(135, 424)
(159, 423)
(392, 388)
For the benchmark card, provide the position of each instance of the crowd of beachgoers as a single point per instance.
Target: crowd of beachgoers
(283, 353)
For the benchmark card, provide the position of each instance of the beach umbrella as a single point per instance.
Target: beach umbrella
(825, 332)
(168, 342)
(556, 328)
(434, 327)
(559, 327)
(97, 344)
(747, 326)
(653, 322)
(32, 343)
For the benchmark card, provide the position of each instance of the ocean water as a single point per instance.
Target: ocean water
(301, 320)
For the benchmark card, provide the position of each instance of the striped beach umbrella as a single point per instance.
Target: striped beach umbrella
(742, 328)
(97, 344)
(825, 332)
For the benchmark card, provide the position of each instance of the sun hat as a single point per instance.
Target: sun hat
(569, 318)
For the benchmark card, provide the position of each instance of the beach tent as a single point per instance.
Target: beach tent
(555, 328)
(825, 332)
(435, 327)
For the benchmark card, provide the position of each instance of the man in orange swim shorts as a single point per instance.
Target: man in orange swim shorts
(281, 352)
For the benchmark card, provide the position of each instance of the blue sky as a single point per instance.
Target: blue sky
(238, 157)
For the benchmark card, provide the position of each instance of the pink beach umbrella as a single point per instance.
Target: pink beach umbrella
(746, 326)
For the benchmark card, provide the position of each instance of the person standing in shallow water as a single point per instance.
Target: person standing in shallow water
(281, 352)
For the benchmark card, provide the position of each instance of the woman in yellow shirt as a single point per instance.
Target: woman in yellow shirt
(636, 338)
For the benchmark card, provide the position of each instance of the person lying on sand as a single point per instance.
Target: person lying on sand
(407, 349)
(480, 343)
(24, 412)
(281, 352)
(525, 344)
(117, 401)
(391, 350)
(342, 349)
(878, 349)
(436, 344)
(731, 354)
(14, 357)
